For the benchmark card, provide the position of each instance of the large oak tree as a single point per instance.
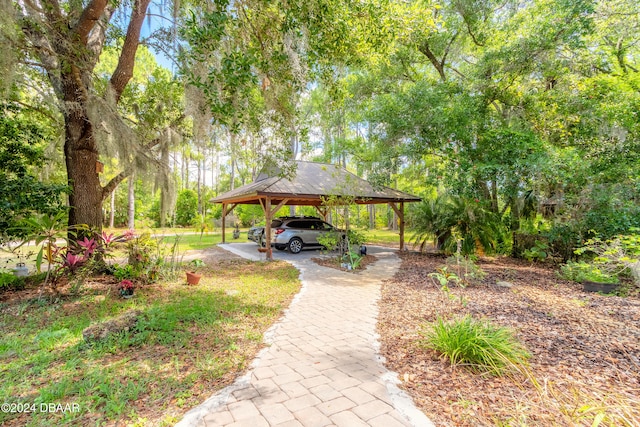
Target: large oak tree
(65, 40)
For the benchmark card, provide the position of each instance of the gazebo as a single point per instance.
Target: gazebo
(311, 185)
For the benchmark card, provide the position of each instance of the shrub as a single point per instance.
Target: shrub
(583, 271)
(355, 238)
(186, 207)
(449, 219)
(10, 281)
(617, 255)
(479, 345)
(329, 240)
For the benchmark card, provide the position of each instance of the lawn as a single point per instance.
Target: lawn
(188, 343)
(383, 237)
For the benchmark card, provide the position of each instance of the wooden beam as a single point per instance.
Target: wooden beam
(277, 208)
(224, 220)
(403, 247)
(322, 210)
(267, 228)
(225, 212)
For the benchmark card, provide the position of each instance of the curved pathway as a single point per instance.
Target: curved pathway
(322, 366)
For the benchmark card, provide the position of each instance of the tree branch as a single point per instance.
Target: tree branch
(90, 15)
(426, 51)
(38, 110)
(116, 180)
(446, 50)
(124, 70)
(96, 39)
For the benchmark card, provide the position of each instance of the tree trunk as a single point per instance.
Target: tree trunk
(131, 214)
(112, 209)
(372, 216)
(81, 155)
(199, 187)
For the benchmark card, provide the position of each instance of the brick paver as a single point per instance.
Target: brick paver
(321, 367)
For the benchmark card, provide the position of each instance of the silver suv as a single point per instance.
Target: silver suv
(297, 232)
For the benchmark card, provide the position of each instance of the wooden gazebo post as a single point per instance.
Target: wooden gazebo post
(268, 215)
(267, 228)
(225, 212)
(224, 220)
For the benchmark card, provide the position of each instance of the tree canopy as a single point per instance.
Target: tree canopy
(527, 107)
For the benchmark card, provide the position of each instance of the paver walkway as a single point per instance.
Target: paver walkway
(322, 366)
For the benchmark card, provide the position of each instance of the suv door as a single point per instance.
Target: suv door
(318, 228)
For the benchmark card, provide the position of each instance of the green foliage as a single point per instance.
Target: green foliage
(466, 268)
(249, 214)
(451, 219)
(144, 256)
(538, 252)
(329, 240)
(476, 344)
(125, 272)
(22, 194)
(9, 281)
(196, 263)
(444, 277)
(186, 207)
(216, 211)
(587, 272)
(355, 238)
(616, 255)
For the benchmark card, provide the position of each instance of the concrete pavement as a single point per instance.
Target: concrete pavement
(322, 365)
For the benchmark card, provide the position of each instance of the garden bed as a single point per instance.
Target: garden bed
(334, 262)
(585, 347)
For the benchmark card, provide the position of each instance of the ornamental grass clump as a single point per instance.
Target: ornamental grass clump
(477, 344)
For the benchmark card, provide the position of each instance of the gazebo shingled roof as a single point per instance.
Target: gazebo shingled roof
(312, 183)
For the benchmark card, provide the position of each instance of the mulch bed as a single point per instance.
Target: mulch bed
(585, 347)
(332, 262)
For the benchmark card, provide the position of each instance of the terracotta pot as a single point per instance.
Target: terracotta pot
(193, 278)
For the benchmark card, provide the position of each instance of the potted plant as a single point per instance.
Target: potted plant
(193, 278)
(125, 289)
(593, 277)
(598, 281)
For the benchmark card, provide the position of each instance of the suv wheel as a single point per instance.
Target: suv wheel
(295, 245)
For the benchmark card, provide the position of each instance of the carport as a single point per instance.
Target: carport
(310, 185)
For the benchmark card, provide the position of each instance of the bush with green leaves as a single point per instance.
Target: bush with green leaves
(477, 344)
(21, 150)
(538, 252)
(587, 272)
(355, 238)
(449, 219)
(249, 214)
(619, 255)
(9, 281)
(329, 240)
(186, 207)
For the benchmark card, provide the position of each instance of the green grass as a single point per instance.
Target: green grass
(187, 242)
(383, 236)
(477, 344)
(189, 342)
